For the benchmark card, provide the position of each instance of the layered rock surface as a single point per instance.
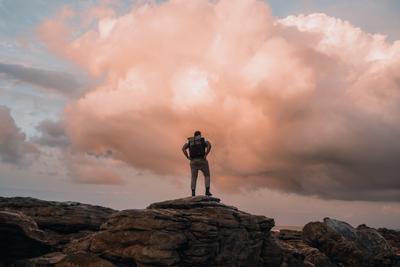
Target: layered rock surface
(194, 231)
(20, 237)
(345, 245)
(393, 237)
(60, 217)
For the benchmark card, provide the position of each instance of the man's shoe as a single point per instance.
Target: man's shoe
(208, 193)
(193, 193)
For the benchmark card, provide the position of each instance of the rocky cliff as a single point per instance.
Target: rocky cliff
(193, 231)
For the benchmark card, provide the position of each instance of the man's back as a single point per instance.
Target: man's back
(199, 148)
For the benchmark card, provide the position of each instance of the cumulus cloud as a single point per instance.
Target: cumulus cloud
(305, 104)
(14, 148)
(60, 82)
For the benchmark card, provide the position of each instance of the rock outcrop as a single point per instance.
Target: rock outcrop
(60, 217)
(348, 246)
(393, 237)
(61, 221)
(193, 231)
(20, 237)
(294, 247)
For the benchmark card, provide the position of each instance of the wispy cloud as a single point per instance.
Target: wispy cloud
(60, 82)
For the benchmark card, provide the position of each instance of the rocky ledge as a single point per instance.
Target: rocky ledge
(193, 231)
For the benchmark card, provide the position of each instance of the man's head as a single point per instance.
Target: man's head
(197, 133)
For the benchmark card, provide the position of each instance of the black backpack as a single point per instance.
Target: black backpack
(197, 147)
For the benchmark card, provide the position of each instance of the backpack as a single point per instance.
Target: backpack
(197, 147)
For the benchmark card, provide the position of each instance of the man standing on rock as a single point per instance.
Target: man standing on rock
(199, 148)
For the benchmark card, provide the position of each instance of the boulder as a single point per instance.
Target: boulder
(349, 246)
(282, 254)
(20, 237)
(393, 237)
(194, 231)
(60, 217)
(292, 244)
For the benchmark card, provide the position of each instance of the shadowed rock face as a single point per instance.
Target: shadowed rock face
(348, 246)
(20, 237)
(83, 259)
(196, 231)
(61, 217)
(193, 231)
(393, 237)
(295, 248)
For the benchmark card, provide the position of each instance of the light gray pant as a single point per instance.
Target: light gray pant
(202, 165)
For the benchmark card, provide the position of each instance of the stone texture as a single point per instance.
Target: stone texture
(83, 259)
(393, 237)
(194, 231)
(293, 244)
(49, 259)
(283, 254)
(60, 217)
(286, 234)
(348, 246)
(20, 237)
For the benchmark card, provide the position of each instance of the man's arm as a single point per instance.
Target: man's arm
(208, 148)
(184, 150)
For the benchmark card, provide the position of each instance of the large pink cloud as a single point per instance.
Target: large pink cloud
(305, 104)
